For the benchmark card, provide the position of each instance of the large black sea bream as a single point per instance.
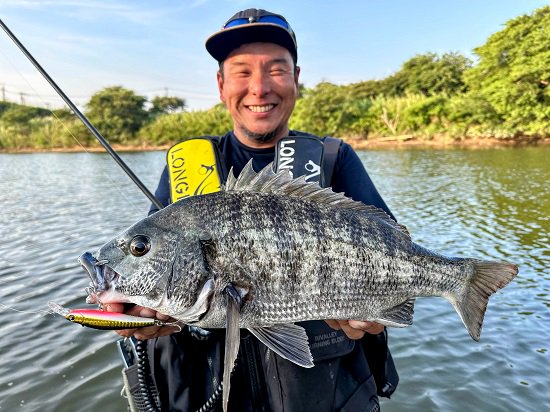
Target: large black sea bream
(267, 251)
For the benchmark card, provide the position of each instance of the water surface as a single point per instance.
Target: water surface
(490, 204)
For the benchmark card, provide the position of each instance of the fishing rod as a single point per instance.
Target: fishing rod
(83, 118)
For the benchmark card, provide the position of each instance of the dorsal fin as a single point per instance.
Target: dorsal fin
(265, 181)
(282, 183)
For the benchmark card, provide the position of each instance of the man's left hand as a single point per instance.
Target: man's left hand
(355, 329)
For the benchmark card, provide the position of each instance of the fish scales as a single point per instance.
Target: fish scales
(305, 261)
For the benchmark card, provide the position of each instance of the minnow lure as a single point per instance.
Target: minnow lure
(100, 319)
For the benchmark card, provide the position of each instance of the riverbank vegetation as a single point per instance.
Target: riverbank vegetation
(504, 95)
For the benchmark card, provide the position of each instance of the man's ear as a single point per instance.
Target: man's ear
(219, 77)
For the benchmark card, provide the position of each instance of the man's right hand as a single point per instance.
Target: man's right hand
(148, 332)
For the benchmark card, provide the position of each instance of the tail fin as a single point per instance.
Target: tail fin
(488, 277)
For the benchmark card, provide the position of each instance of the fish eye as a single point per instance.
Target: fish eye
(140, 245)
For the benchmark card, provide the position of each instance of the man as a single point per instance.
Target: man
(258, 83)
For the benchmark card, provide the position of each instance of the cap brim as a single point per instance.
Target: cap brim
(220, 44)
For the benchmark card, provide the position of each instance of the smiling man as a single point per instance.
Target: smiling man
(258, 83)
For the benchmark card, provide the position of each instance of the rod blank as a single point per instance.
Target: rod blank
(83, 118)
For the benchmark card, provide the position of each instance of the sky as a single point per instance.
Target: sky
(156, 48)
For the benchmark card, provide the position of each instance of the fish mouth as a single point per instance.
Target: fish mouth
(103, 279)
(103, 289)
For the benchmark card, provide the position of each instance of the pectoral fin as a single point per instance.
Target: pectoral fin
(232, 339)
(288, 341)
(398, 316)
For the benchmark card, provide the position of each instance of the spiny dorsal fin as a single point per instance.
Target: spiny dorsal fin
(265, 181)
(282, 183)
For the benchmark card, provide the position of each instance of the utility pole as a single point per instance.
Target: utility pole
(3, 92)
(22, 96)
(82, 118)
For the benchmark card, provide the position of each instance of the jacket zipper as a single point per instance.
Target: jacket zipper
(252, 361)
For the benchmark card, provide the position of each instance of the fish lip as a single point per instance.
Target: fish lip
(95, 273)
(101, 275)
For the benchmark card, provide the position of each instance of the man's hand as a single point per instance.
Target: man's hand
(147, 332)
(355, 329)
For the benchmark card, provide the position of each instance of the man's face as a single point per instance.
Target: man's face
(259, 86)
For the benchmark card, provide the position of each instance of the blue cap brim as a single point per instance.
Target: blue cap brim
(223, 42)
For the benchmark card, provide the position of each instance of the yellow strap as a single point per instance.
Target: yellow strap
(192, 169)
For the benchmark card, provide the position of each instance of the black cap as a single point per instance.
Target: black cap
(250, 26)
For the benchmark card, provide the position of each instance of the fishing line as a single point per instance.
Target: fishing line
(28, 312)
(82, 118)
(37, 95)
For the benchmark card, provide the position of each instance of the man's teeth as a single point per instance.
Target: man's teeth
(261, 109)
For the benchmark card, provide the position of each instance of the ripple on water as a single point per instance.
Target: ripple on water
(462, 203)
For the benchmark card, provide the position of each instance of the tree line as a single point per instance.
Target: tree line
(504, 94)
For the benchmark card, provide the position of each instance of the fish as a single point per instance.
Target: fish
(269, 250)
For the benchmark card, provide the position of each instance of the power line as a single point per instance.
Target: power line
(164, 91)
(22, 95)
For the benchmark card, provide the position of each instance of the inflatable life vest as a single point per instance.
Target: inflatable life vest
(196, 167)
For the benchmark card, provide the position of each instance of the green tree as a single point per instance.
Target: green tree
(63, 114)
(117, 113)
(390, 116)
(513, 73)
(394, 85)
(171, 128)
(367, 89)
(17, 123)
(166, 105)
(428, 114)
(22, 115)
(430, 74)
(470, 114)
(329, 109)
(5, 106)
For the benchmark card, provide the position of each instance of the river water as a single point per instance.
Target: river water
(490, 204)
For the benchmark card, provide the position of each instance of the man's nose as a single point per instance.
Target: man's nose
(260, 84)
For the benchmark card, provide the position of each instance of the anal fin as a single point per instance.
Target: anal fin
(288, 341)
(398, 316)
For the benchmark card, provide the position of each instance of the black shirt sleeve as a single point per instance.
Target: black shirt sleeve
(163, 192)
(351, 178)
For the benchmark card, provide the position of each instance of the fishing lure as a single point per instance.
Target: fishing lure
(100, 319)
